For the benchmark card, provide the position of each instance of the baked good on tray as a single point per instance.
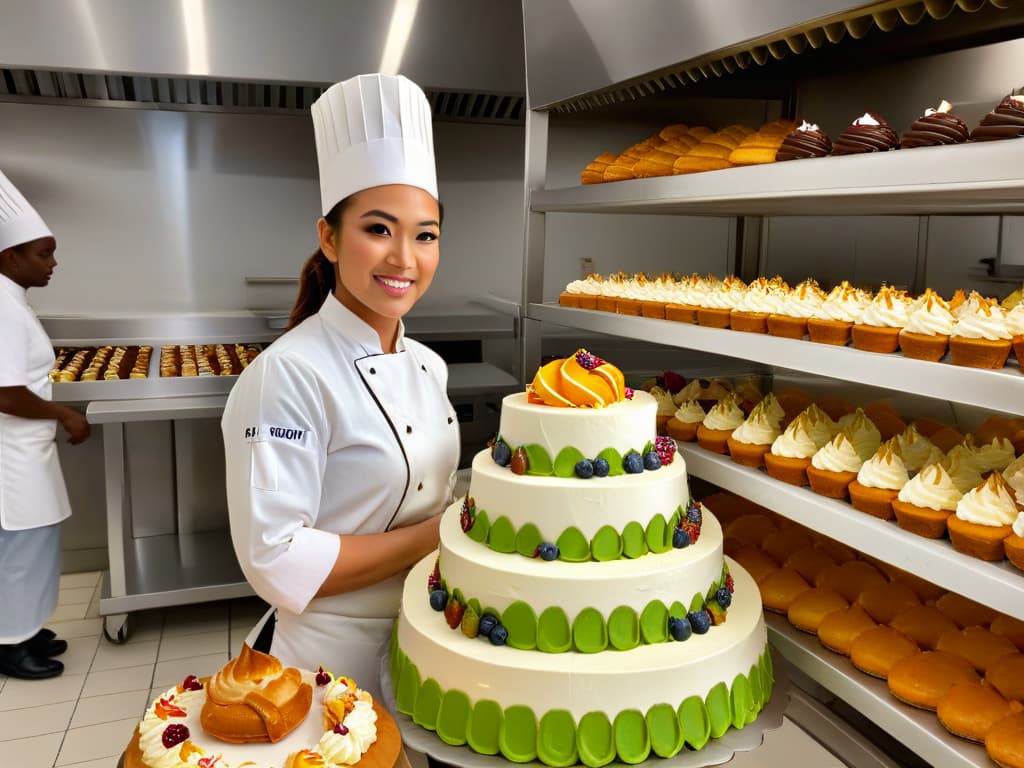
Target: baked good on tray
(935, 127)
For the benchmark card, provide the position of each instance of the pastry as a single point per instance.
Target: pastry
(810, 607)
(713, 152)
(720, 422)
(831, 323)
(788, 318)
(878, 327)
(836, 550)
(877, 650)
(879, 482)
(850, 578)
(1006, 675)
(936, 127)
(965, 612)
(884, 602)
(1015, 324)
(925, 590)
(916, 450)
(717, 304)
(1010, 628)
(885, 419)
(762, 297)
(621, 168)
(839, 629)
(977, 645)
(752, 439)
(995, 455)
(808, 140)
(762, 145)
(946, 438)
(922, 679)
(1014, 543)
(791, 452)
(924, 624)
(980, 337)
(781, 544)
(984, 519)
(926, 333)
(809, 562)
(959, 464)
(594, 172)
(751, 529)
(666, 408)
(1005, 740)
(756, 562)
(868, 133)
(1005, 121)
(834, 467)
(684, 422)
(926, 502)
(780, 588)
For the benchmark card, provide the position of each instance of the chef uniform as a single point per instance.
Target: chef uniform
(325, 434)
(33, 497)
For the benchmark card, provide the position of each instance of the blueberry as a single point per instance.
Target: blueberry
(680, 539)
(498, 635)
(585, 469)
(548, 551)
(501, 453)
(438, 599)
(601, 467)
(693, 513)
(700, 621)
(633, 464)
(724, 597)
(487, 623)
(680, 629)
(652, 461)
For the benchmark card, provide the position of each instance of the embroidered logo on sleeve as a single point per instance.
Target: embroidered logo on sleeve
(265, 432)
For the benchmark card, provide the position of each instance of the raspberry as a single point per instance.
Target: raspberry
(191, 684)
(322, 678)
(729, 583)
(629, 393)
(174, 734)
(587, 360)
(665, 448)
(340, 729)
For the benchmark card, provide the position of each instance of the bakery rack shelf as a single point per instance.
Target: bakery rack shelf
(999, 585)
(986, 177)
(1001, 389)
(917, 729)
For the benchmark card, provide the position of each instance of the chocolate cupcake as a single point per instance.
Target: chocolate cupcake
(806, 141)
(868, 133)
(1006, 121)
(934, 127)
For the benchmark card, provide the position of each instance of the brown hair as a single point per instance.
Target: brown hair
(316, 282)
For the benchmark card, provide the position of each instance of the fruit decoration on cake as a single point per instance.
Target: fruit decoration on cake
(582, 380)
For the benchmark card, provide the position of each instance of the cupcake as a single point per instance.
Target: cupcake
(926, 502)
(926, 333)
(1014, 475)
(707, 392)
(862, 432)
(885, 418)
(984, 519)
(720, 422)
(962, 470)
(832, 322)
(879, 482)
(834, 467)
(611, 290)
(957, 302)
(570, 297)
(748, 393)
(631, 299)
(868, 133)
(822, 427)
(916, 450)
(1014, 543)
(996, 455)
(791, 452)
(935, 127)
(1006, 121)
(684, 422)
(717, 305)
(760, 299)
(666, 408)
(588, 290)
(684, 299)
(980, 337)
(789, 319)
(656, 295)
(754, 437)
(808, 140)
(1015, 325)
(878, 327)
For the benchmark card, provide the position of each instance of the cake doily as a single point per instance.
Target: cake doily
(716, 752)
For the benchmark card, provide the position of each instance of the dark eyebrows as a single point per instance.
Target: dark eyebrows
(394, 219)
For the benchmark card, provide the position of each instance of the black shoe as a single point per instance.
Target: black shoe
(46, 643)
(18, 661)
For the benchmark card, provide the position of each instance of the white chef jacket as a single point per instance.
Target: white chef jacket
(324, 434)
(32, 490)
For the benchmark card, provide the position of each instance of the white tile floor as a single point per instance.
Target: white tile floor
(85, 717)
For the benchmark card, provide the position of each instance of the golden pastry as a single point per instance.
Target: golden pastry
(1010, 628)
(922, 679)
(977, 645)
(780, 588)
(965, 612)
(807, 611)
(1005, 742)
(809, 562)
(839, 629)
(1007, 676)
(924, 624)
(884, 602)
(969, 710)
(876, 651)
(850, 578)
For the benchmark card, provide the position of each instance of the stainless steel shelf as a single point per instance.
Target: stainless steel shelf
(999, 585)
(1001, 390)
(986, 177)
(918, 729)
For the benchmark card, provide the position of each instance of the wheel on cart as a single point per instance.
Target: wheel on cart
(115, 627)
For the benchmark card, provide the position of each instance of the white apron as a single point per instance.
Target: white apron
(325, 435)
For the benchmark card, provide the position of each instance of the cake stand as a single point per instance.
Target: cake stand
(716, 752)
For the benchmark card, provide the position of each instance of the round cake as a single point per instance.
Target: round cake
(580, 608)
(255, 713)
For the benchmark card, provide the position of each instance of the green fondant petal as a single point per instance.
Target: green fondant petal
(481, 527)
(595, 740)
(573, 546)
(676, 517)
(485, 727)
(677, 610)
(623, 629)
(517, 736)
(554, 635)
(719, 710)
(538, 460)
(614, 459)
(502, 537)
(521, 623)
(767, 674)
(742, 701)
(408, 688)
(654, 623)
(634, 541)
(756, 687)
(428, 704)
(697, 603)
(656, 535)
(606, 545)
(556, 741)
(458, 596)
(632, 742)
(453, 719)
(474, 606)
(528, 539)
(694, 721)
(565, 462)
(665, 732)
(589, 631)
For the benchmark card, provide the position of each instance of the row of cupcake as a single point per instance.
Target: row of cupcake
(937, 650)
(978, 331)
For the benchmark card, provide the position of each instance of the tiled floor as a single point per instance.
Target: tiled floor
(85, 717)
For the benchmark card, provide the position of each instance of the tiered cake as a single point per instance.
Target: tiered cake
(581, 608)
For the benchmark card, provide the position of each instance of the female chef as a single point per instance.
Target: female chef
(33, 499)
(340, 443)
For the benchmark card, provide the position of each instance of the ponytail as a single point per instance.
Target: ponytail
(316, 282)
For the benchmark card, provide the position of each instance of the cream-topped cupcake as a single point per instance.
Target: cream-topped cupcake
(877, 328)
(684, 422)
(926, 333)
(835, 466)
(751, 312)
(983, 519)
(1014, 476)
(995, 455)
(666, 407)
(980, 337)
(1014, 543)
(686, 295)
(917, 450)
(791, 452)
(925, 503)
(754, 437)
(962, 470)
(720, 422)
(789, 319)
(822, 427)
(863, 433)
(879, 481)
(1015, 325)
(717, 304)
(832, 321)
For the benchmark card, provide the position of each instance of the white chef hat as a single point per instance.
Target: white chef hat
(373, 130)
(19, 222)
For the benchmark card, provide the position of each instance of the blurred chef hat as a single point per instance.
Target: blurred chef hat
(373, 130)
(19, 222)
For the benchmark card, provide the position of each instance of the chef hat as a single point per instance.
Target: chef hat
(373, 130)
(19, 222)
